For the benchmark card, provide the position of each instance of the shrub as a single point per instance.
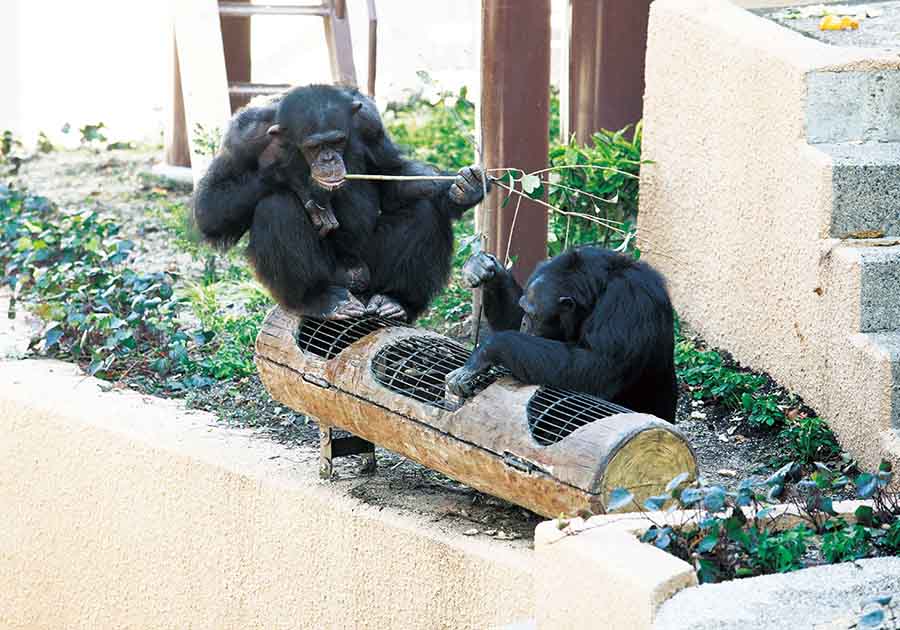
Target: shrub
(608, 189)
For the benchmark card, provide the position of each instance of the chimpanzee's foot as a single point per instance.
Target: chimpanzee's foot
(335, 303)
(383, 306)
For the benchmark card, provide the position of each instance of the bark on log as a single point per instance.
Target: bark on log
(487, 442)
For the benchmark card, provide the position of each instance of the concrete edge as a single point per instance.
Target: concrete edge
(631, 579)
(129, 511)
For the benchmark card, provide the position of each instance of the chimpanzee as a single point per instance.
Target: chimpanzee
(386, 242)
(591, 319)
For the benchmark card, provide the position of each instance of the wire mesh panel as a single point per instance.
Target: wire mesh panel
(417, 367)
(554, 413)
(327, 338)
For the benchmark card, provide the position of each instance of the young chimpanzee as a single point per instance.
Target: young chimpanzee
(387, 242)
(591, 320)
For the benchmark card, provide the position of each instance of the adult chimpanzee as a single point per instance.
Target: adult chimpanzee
(591, 320)
(319, 242)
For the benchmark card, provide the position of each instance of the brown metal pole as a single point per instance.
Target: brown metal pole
(515, 105)
(236, 41)
(607, 47)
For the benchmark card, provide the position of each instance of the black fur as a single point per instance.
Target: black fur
(401, 231)
(598, 322)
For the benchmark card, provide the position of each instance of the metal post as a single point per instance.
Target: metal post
(515, 106)
(607, 48)
(236, 34)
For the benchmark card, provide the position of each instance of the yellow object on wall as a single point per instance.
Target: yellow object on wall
(835, 23)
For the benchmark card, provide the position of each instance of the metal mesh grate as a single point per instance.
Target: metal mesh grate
(327, 338)
(418, 366)
(554, 413)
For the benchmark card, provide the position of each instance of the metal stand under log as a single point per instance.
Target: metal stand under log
(331, 447)
(549, 450)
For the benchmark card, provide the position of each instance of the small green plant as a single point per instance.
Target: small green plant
(206, 140)
(436, 131)
(597, 179)
(8, 144)
(228, 341)
(92, 135)
(733, 533)
(810, 440)
(44, 144)
(843, 542)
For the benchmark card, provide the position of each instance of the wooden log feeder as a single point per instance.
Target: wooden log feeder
(550, 450)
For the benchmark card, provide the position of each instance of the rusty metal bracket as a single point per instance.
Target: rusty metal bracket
(331, 447)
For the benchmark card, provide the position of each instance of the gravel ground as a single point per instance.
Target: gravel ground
(882, 31)
(113, 182)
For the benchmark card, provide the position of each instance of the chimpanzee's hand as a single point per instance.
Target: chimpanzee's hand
(467, 188)
(481, 269)
(462, 382)
(271, 154)
(322, 217)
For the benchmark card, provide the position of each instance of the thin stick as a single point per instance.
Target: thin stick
(401, 178)
(553, 208)
(582, 192)
(512, 230)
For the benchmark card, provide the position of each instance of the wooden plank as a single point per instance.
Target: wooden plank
(340, 47)
(198, 34)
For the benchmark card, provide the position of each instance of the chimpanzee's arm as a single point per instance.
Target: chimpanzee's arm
(539, 361)
(225, 200)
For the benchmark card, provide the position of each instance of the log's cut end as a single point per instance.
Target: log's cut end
(645, 460)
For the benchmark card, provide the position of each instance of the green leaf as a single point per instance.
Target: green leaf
(654, 504)
(872, 619)
(677, 481)
(52, 336)
(866, 484)
(865, 515)
(708, 543)
(618, 499)
(530, 183)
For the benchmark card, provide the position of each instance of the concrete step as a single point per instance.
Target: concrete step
(864, 405)
(864, 285)
(865, 188)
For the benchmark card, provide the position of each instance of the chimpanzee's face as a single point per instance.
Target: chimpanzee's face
(321, 135)
(548, 312)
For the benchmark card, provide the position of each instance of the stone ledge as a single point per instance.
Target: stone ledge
(601, 565)
(121, 510)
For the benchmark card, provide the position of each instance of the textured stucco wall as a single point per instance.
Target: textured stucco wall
(738, 205)
(123, 511)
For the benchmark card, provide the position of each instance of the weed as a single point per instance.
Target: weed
(810, 440)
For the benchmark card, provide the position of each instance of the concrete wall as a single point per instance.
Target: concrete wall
(120, 510)
(741, 203)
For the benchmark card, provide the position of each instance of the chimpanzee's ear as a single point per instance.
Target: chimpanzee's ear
(355, 106)
(566, 303)
(274, 130)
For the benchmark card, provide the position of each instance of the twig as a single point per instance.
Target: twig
(554, 168)
(401, 178)
(553, 208)
(512, 230)
(582, 192)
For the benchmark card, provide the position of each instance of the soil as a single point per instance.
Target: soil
(116, 183)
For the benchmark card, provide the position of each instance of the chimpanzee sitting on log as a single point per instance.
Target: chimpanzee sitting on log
(323, 245)
(591, 320)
